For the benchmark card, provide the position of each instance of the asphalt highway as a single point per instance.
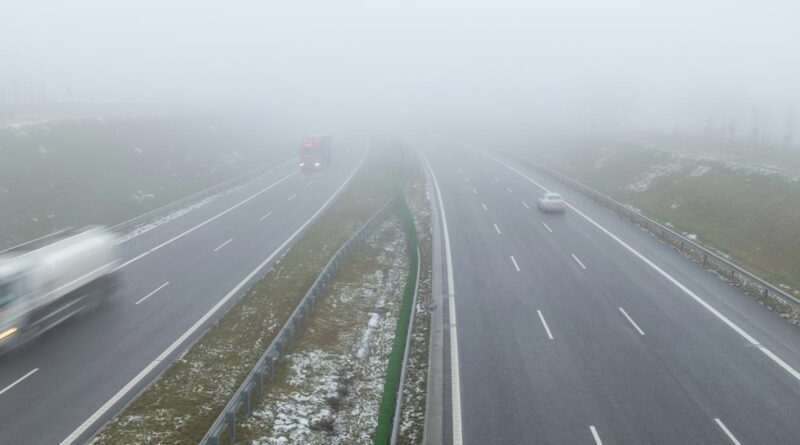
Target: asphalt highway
(176, 280)
(580, 328)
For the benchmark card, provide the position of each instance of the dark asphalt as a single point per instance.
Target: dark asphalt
(668, 386)
(87, 360)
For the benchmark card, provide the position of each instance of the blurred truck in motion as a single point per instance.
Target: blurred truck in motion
(46, 281)
(315, 152)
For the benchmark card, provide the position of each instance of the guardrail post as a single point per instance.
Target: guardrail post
(246, 402)
(260, 377)
(270, 367)
(231, 419)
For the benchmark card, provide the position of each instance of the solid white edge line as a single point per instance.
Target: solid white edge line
(455, 373)
(596, 436)
(153, 292)
(18, 381)
(199, 323)
(223, 245)
(484, 206)
(497, 229)
(578, 261)
(265, 216)
(181, 235)
(515, 262)
(547, 227)
(727, 432)
(292, 197)
(544, 323)
(526, 205)
(786, 367)
(631, 320)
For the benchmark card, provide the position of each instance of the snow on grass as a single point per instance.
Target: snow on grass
(699, 171)
(644, 180)
(331, 390)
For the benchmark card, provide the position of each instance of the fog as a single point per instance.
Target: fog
(672, 66)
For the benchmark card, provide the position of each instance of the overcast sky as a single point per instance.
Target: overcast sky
(626, 60)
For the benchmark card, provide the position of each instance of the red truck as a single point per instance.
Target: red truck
(315, 153)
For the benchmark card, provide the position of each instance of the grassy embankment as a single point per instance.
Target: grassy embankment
(751, 216)
(180, 406)
(74, 172)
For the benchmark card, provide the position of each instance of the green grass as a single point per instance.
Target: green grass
(181, 405)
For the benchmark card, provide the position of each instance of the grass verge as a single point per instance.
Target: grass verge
(412, 416)
(182, 403)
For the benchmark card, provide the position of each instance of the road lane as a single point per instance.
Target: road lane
(696, 367)
(86, 360)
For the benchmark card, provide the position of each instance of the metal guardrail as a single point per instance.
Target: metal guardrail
(210, 191)
(726, 268)
(242, 399)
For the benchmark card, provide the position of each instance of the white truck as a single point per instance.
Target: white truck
(46, 281)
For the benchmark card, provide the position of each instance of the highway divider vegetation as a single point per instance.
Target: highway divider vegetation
(415, 389)
(179, 407)
(391, 389)
(328, 391)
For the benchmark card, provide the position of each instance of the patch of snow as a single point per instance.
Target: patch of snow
(691, 236)
(600, 163)
(372, 324)
(643, 181)
(699, 171)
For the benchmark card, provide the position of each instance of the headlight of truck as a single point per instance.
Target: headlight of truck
(8, 333)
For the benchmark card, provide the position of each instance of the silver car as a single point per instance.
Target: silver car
(551, 202)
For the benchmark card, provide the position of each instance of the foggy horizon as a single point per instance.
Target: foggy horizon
(665, 66)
